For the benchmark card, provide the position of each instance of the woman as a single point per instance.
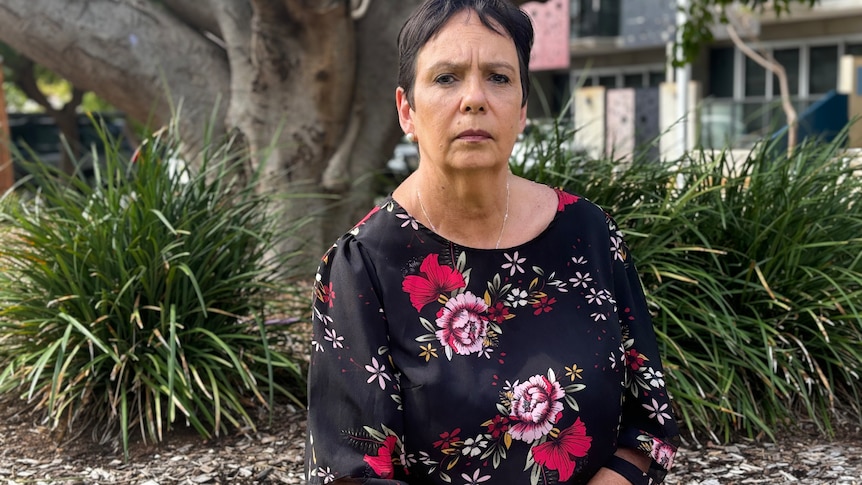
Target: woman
(476, 326)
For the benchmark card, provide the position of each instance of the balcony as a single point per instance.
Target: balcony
(595, 18)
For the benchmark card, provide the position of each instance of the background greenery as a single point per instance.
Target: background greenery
(753, 271)
(138, 300)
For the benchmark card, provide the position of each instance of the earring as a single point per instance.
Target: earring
(410, 137)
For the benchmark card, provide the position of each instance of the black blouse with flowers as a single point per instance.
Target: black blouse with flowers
(435, 363)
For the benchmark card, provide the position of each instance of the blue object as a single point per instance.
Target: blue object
(824, 120)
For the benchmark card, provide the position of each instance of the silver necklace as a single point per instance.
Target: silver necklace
(502, 227)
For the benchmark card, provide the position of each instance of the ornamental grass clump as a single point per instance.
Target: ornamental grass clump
(137, 300)
(753, 270)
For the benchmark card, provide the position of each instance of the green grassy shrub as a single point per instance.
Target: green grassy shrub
(138, 301)
(753, 271)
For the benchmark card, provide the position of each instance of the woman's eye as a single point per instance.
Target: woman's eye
(500, 78)
(445, 79)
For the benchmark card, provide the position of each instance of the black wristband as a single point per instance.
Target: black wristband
(628, 470)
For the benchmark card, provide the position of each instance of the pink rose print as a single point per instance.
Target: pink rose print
(535, 408)
(663, 453)
(462, 324)
(382, 462)
(560, 453)
(432, 281)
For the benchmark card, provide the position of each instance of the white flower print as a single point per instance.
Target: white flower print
(475, 478)
(377, 372)
(613, 359)
(324, 473)
(333, 337)
(654, 377)
(657, 412)
(599, 316)
(599, 297)
(425, 458)
(579, 260)
(486, 352)
(474, 446)
(322, 318)
(514, 264)
(408, 221)
(517, 298)
(617, 247)
(317, 346)
(581, 279)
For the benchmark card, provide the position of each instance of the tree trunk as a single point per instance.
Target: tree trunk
(307, 86)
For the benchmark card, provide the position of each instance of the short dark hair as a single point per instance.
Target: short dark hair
(426, 21)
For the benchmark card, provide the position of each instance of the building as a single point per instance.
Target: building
(625, 44)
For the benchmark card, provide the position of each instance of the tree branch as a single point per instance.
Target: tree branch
(200, 14)
(135, 54)
(771, 65)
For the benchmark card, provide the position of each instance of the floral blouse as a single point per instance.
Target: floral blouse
(436, 363)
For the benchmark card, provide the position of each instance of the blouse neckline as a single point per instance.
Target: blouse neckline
(391, 200)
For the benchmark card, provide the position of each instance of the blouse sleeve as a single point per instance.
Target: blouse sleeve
(354, 411)
(648, 423)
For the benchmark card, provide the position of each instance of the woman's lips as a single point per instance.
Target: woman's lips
(474, 135)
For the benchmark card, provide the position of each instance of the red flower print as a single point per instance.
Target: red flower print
(498, 313)
(432, 281)
(325, 293)
(565, 199)
(497, 426)
(559, 454)
(634, 359)
(382, 463)
(463, 326)
(543, 305)
(536, 407)
(447, 438)
(367, 216)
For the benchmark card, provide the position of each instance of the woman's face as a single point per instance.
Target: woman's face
(466, 111)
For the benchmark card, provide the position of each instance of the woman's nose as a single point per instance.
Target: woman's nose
(474, 100)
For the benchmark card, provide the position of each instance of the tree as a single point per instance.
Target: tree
(703, 15)
(24, 74)
(317, 76)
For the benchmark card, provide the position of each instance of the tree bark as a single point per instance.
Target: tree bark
(134, 54)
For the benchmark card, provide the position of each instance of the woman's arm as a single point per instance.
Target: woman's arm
(355, 425)
(610, 476)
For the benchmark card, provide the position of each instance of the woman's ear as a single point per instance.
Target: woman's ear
(405, 112)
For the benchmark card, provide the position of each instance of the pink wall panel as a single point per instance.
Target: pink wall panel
(551, 45)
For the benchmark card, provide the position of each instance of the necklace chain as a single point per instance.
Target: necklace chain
(502, 227)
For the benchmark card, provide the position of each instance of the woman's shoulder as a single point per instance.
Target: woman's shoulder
(574, 205)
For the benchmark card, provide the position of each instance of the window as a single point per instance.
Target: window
(633, 80)
(608, 81)
(789, 59)
(853, 49)
(656, 78)
(721, 72)
(596, 18)
(755, 79)
(823, 69)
